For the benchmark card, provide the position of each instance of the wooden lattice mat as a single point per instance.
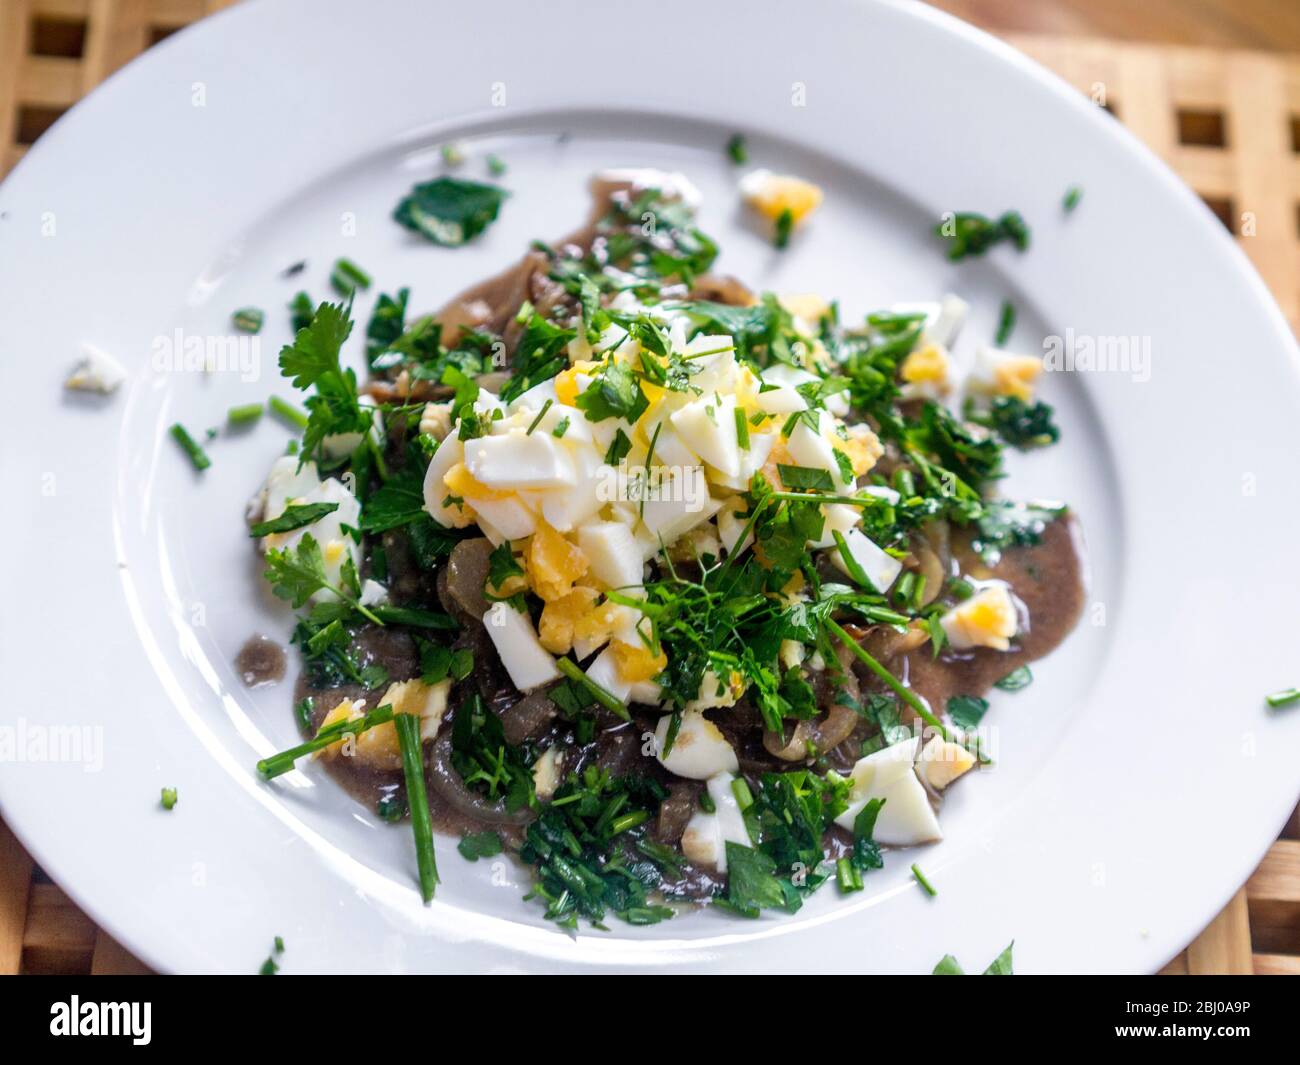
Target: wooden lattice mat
(1228, 122)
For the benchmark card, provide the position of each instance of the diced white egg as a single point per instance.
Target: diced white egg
(511, 518)
(839, 517)
(707, 426)
(548, 772)
(791, 654)
(713, 373)
(881, 568)
(568, 508)
(1003, 373)
(373, 593)
(535, 398)
(707, 834)
(287, 482)
(986, 619)
(881, 491)
(605, 672)
(792, 377)
(340, 445)
(752, 459)
(336, 545)
(812, 450)
(96, 371)
(450, 452)
(732, 519)
(782, 399)
(943, 327)
(518, 460)
(675, 506)
(716, 692)
(906, 818)
(670, 450)
(942, 762)
(613, 555)
(527, 662)
(700, 750)
(927, 373)
(427, 701)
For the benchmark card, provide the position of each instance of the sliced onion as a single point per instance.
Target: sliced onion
(449, 785)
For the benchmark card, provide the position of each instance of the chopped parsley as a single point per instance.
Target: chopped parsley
(449, 211)
(969, 233)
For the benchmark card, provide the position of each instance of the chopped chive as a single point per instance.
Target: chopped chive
(540, 415)
(904, 483)
(737, 150)
(561, 427)
(742, 428)
(918, 592)
(288, 412)
(707, 804)
(627, 821)
(279, 944)
(249, 412)
(301, 311)
(248, 319)
(1018, 678)
(849, 878)
(903, 589)
(906, 694)
(784, 227)
(850, 562)
(282, 762)
(920, 879)
(168, 798)
(1072, 197)
(347, 277)
(961, 588)
(197, 455)
(408, 735)
(607, 699)
(1006, 323)
(496, 165)
(1285, 697)
(744, 797)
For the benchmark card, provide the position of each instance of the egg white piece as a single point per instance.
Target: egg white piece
(96, 371)
(450, 452)
(528, 663)
(336, 545)
(287, 482)
(707, 426)
(906, 818)
(518, 460)
(880, 567)
(707, 834)
(700, 750)
(613, 555)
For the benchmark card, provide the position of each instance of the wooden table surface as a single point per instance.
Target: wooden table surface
(1212, 86)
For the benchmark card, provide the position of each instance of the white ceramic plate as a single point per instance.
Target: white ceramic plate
(1139, 779)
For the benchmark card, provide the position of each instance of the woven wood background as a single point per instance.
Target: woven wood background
(1227, 121)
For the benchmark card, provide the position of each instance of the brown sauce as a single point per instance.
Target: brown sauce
(260, 661)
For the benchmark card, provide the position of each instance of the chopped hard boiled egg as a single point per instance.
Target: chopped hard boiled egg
(612, 553)
(772, 195)
(548, 772)
(97, 371)
(927, 373)
(527, 662)
(879, 567)
(986, 619)
(906, 818)
(942, 762)
(707, 834)
(700, 750)
(1001, 373)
